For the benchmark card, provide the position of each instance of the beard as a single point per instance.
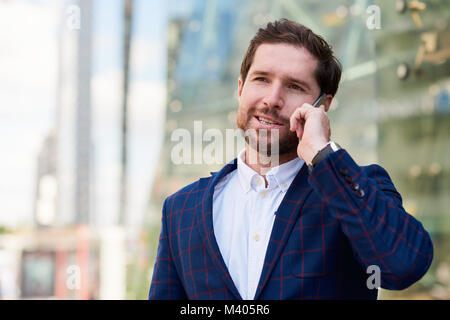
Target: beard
(265, 141)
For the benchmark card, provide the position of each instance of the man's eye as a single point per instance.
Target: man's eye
(295, 87)
(261, 79)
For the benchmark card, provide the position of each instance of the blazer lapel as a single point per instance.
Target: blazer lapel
(285, 219)
(207, 228)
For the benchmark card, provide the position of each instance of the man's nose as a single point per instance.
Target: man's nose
(274, 96)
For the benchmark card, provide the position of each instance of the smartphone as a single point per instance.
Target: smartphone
(321, 100)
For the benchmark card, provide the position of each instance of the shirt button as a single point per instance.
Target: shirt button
(283, 185)
(258, 182)
(263, 194)
(256, 237)
(355, 186)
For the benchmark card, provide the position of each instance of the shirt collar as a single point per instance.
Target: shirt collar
(279, 176)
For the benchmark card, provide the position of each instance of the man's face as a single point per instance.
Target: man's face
(280, 79)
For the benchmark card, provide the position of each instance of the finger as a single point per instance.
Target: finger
(310, 110)
(299, 114)
(322, 107)
(294, 119)
(305, 109)
(299, 130)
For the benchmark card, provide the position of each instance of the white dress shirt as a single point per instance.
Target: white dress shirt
(243, 216)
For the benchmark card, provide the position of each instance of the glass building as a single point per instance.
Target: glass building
(392, 107)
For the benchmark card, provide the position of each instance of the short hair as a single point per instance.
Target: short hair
(328, 71)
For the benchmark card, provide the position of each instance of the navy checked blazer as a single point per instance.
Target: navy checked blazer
(332, 224)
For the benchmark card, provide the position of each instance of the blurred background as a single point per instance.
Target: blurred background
(91, 90)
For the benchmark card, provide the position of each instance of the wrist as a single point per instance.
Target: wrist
(329, 148)
(315, 149)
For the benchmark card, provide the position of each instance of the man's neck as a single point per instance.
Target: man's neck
(261, 163)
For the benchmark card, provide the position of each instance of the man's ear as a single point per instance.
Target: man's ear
(328, 102)
(240, 86)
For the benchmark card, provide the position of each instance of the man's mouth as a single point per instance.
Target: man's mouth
(267, 121)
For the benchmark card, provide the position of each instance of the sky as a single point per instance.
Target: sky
(28, 82)
(27, 93)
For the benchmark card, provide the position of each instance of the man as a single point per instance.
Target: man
(312, 225)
